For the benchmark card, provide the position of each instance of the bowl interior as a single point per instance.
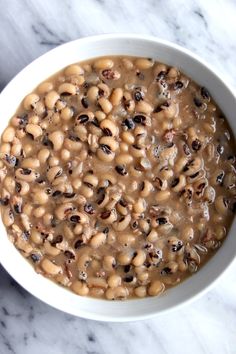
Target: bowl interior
(40, 70)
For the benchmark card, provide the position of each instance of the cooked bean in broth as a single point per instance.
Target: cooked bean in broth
(118, 177)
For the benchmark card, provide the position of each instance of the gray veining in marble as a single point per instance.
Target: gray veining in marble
(28, 29)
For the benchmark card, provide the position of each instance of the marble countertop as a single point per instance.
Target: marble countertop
(29, 28)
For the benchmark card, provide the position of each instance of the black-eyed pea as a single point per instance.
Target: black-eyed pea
(65, 154)
(220, 232)
(78, 229)
(27, 209)
(7, 216)
(30, 101)
(144, 107)
(173, 73)
(96, 292)
(26, 174)
(137, 151)
(144, 64)
(103, 63)
(152, 236)
(67, 113)
(45, 87)
(143, 277)
(140, 206)
(30, 162)
(92, 94)
(72, 145)
(51, 98)
(128, 64)
(146, 188)
(36, 237)
(97, 240)
(124, 159)
(76, 183)
(221, 205)
(122, 223)
(74, 69)
(39, 212)
(96, 282)
(125, 257)
(40, 197)
(43, 155)
(182, 265)
(109, 128)
(180, 163)
(62, 210)
(139, 258)
(193, 166)
(140, 291)
(156, 288)
(126, 239)
(86, 191)
(5, 148)
(178, 183)
(57, 139)
(116, 96)
(50, 250)
(120, 293)
(100, 115)
(53, 172)
(8, 135)
(166, 173)
(91, 180)
(67, 89)
(124, 147)
(47, 219)
(162, 196)
(78, 218)
(114, 281)
(128, 137)
(80, 288)
(50, 268)
(177, 122)
(187, 233)
(10, 184)
(109, 263)
(105, 105)
(34, 130)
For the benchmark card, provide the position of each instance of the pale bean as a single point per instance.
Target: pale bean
(119, 292)
(116, 96)
(40, 197)
(109, 127)
(156, 288)
(109, 263)
(162, 196)
(144, 107)
(140, 291)
(51, 98)
(98, 239)
(30, 101)
(30, 162)
(103, 63)
(124, 159)
(80, 288)
(143, 63)
(45, 87)
(128, 137)
(39, 212)
(8, 135)
(67, 89)
(50, 250)
(122, 224)
(57, 139)
(114, 281)
(50, 268)
(74, 69)
(97, 282)
(124, 258)
(7, 217)
(105, 105)
(34, 130)
(139, 259)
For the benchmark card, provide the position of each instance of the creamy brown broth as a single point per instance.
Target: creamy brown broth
(118, 177)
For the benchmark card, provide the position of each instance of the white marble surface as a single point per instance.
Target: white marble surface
(29, 28)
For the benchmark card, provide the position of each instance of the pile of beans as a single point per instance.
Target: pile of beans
(117, 177)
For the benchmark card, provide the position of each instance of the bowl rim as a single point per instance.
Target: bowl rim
(213, 71)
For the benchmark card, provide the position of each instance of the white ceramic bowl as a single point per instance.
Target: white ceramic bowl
(40, 70)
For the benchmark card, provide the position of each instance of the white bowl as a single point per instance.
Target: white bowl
(41, 69)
